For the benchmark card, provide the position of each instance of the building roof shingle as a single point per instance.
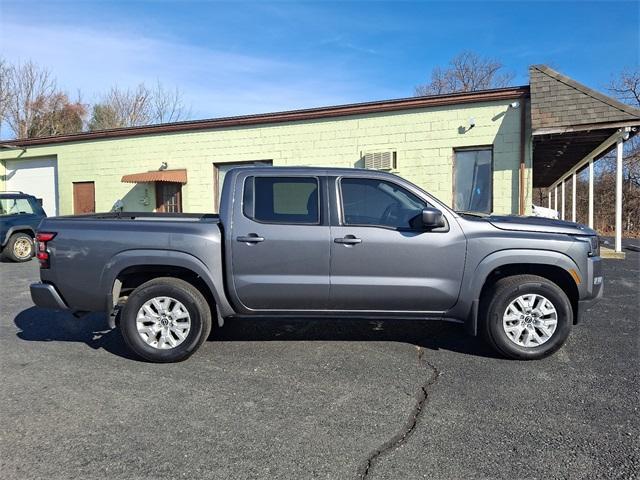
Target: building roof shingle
(558, 102)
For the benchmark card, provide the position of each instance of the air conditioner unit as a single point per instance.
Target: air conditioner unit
(380, 160)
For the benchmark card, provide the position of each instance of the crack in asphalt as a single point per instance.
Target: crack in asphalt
(401, 436)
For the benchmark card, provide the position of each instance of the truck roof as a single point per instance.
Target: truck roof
(355, 171)
(15, 195)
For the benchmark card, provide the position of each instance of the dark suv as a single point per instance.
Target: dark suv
(20, 215)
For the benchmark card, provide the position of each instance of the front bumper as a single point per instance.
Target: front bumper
(46, 296)
(595, 287)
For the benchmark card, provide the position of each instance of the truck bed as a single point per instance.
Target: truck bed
(92, 249)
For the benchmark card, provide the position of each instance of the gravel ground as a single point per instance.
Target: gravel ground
(333, 399)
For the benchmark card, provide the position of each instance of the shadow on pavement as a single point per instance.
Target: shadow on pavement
(40, 325)
(434, 335)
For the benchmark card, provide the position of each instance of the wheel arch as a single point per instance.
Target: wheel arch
(553, 265)
(553, 273)
(130, 269)
(18, 229)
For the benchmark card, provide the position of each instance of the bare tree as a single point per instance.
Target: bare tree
(27, 85)
(5, 91)
(140, 106)
(466, 72)
(627, 87)
(168, 105)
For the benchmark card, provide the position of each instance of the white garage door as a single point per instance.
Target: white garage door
(36, 177)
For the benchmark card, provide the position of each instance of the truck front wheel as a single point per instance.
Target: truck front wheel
(526, 317)
(165, 320)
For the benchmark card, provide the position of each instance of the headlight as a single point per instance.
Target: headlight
(594, 244)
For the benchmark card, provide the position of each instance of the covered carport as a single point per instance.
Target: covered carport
(572, 127)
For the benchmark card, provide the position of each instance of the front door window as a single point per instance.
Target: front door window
(378, 203)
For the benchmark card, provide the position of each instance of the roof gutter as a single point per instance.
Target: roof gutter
(288, 116)
(7, 146)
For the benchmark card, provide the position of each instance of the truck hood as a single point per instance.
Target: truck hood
(538, 224)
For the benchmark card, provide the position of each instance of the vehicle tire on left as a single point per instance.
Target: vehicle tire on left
(165, 320)
(19, 248)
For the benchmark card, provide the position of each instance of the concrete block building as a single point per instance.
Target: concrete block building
(481, 151)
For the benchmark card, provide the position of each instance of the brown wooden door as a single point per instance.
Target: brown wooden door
(84, 197)
(169, 197)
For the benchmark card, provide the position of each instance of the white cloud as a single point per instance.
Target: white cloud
(215, 83)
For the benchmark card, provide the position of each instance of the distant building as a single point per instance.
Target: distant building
(481, 151)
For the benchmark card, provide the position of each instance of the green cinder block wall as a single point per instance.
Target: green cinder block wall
(424, 139)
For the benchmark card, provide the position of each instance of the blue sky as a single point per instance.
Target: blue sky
(236, 57)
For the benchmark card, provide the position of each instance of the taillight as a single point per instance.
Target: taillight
(42, 253)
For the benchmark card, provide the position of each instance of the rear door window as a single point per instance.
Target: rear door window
(284, 200)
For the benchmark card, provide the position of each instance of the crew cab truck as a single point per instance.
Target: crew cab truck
(317, 242)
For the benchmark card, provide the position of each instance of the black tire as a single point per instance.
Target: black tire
(14, 250)
(506, 290)
(194, 302)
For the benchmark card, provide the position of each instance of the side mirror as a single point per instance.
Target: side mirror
(432, 218)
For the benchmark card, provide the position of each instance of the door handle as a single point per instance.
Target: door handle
(251, 238)
(348, 240)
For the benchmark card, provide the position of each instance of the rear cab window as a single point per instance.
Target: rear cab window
(16, 206)
(282, 200)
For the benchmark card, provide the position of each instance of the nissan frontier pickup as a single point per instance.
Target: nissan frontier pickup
(320, 242)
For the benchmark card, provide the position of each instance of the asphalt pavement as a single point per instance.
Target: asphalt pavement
(321, 399)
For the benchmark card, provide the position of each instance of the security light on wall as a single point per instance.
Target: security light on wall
(472, 123)
(163, 166)
(515, 104)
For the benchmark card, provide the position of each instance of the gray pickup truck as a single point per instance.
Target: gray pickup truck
(310, 242)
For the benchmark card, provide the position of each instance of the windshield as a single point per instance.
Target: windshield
(15, 206)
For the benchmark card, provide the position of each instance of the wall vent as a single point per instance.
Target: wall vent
(380, 160)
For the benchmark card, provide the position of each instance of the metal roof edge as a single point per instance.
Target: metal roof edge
(408, 103)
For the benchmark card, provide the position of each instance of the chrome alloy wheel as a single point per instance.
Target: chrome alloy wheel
(530, 320)
(163, 322)
(22, 248)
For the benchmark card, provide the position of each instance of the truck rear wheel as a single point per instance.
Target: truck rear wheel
(527, 317)
(165, 320)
